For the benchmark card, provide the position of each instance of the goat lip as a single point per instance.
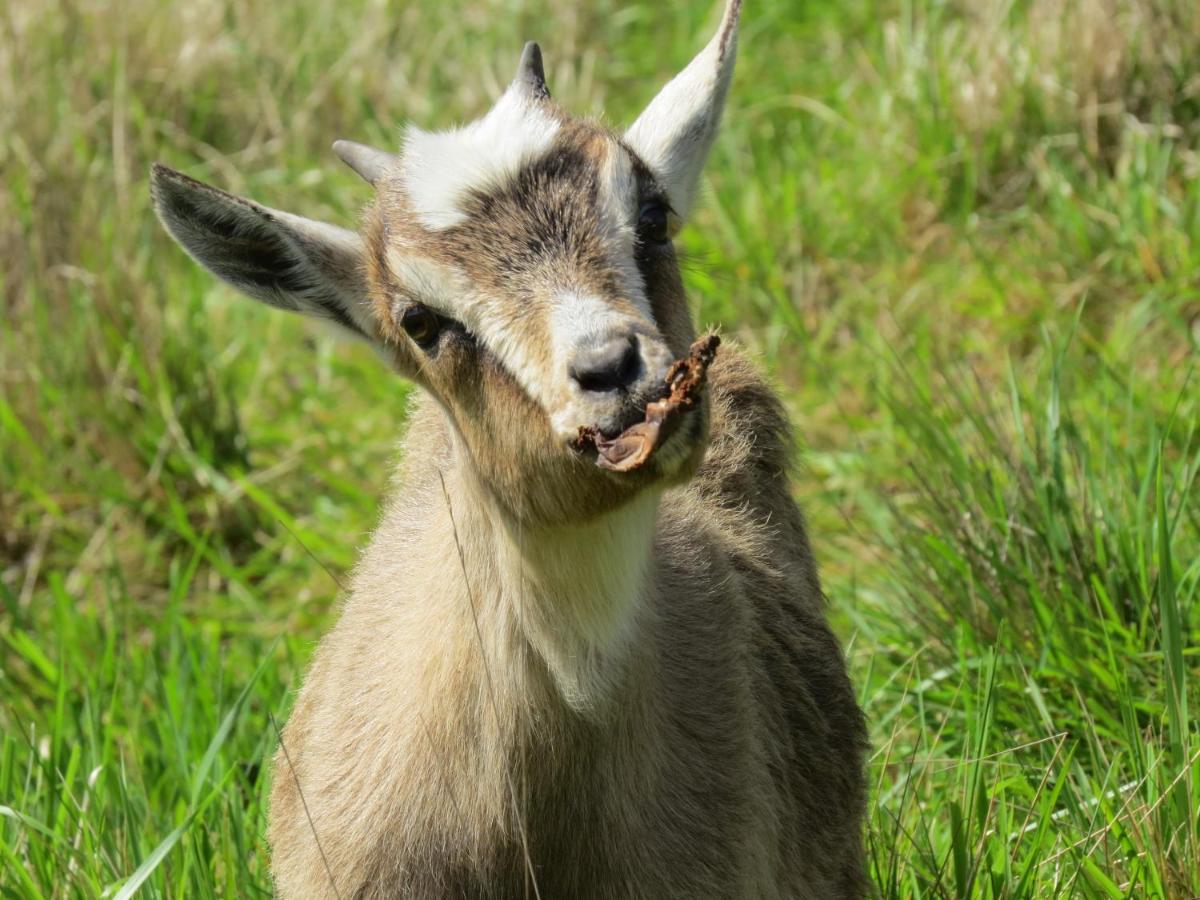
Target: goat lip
(634, 413)
(614, 430)
(631, 448)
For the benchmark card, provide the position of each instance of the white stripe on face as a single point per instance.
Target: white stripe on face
(429, 282)
(577, 319)
(618, 214)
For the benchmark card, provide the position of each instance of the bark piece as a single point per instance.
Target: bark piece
(631, 448)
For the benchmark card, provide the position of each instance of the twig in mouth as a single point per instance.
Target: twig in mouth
(631, 448)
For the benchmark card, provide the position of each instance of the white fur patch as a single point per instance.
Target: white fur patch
(579, 319)
(579, 592)
(439, 169)
(618, 213)
(427, 281)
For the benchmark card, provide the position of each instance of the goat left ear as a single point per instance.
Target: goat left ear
(283, 260)
(674, 133)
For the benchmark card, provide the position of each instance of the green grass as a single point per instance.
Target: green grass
(964, 237)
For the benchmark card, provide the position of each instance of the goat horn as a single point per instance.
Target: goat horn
(369, 163)
(531, 77)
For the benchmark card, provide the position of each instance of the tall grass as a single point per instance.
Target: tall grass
(1054, 567)
(963, 237)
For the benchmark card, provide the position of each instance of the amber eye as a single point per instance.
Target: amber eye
(654, 222)
(421, 324)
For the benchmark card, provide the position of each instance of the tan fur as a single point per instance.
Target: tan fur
(544, 674)
(720, 759)
(548, 679)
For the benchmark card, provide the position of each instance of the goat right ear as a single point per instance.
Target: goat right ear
(285, 261)
(674, 133)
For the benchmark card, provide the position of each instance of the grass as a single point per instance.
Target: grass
(965, 238)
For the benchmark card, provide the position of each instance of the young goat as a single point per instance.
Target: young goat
(549, 679)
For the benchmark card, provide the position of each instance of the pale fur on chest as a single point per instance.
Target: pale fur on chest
(501, 651)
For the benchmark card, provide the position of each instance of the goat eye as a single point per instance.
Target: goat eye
(421, 324)
(654, 223)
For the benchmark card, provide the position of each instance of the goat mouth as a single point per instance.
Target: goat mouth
(633, 414)
(633, 446)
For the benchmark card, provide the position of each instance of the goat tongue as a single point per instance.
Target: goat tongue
(631, 448)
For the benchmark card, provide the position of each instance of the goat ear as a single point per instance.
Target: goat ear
(674, 133)
(285, 261)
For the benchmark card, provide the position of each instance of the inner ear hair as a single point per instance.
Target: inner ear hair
(286, 261)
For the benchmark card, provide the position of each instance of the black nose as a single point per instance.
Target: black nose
(609, 365)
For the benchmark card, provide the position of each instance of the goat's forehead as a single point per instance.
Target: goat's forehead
(442, 176)
(527, 204)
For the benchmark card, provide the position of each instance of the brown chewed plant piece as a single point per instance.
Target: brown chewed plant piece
(631, 448)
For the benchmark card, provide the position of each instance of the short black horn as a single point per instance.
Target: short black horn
(531, 77)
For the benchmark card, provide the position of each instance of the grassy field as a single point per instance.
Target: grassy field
(963, 236)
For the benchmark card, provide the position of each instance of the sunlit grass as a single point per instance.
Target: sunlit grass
(963, 238)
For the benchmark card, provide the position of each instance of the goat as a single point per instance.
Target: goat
(549, 679)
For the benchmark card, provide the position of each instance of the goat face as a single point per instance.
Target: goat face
(519, 268)
(536, 301)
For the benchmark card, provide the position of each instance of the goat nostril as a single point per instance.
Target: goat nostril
(610, 366)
